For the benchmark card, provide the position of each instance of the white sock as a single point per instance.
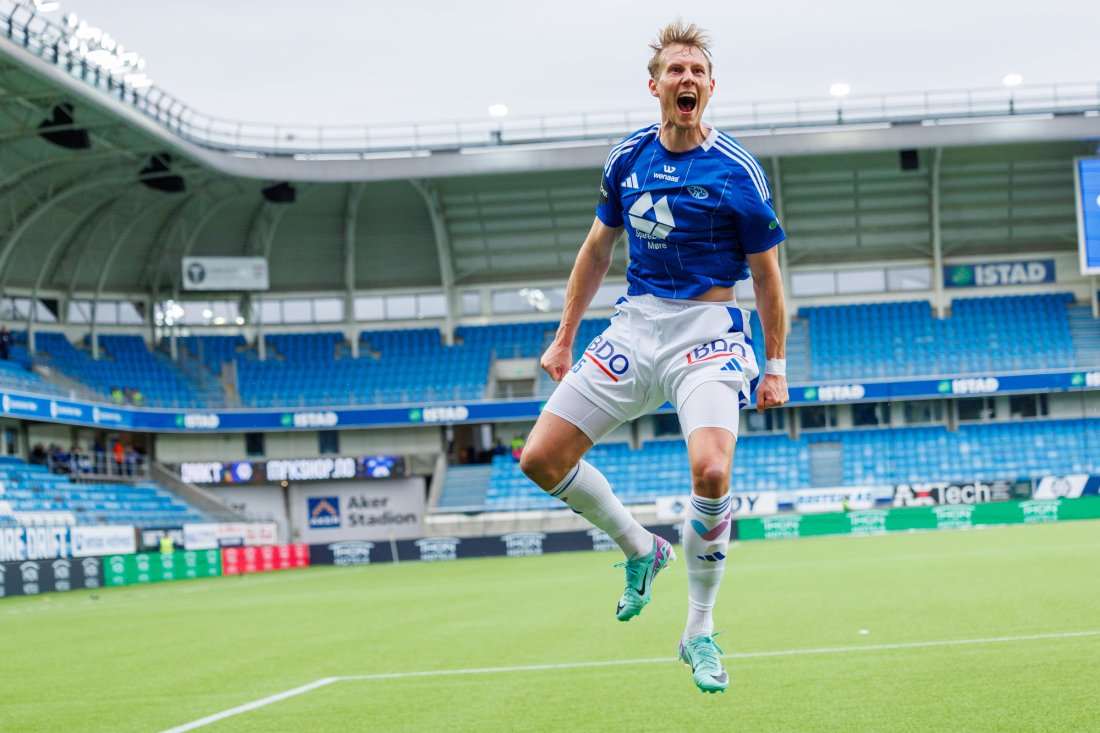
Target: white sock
(587, 492)
(706, 541)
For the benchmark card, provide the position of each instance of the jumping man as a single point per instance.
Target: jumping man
(698, 215)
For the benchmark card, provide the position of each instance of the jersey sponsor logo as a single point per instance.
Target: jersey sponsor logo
(609, 359)
(717, 349)
(670, 169)
(648, 228)
(698, 192)
(667, 177)
(631, 181)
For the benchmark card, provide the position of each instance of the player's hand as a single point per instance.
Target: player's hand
(772, 392)
(557, 360)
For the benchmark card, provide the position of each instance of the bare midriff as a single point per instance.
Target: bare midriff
(717, 294)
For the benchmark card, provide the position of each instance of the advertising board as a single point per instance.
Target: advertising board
(31, 577)
(324, 512)
(948, 516)
(444, 549)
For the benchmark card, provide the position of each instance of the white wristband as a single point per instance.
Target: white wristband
(776, 366)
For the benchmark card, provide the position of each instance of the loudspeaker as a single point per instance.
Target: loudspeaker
(73, 138)
(908, 160)
(280, 193)
(158, 175)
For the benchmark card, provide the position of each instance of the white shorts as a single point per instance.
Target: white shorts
(657, 350)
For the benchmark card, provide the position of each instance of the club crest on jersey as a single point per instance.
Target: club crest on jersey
(698, 192)
(607, 357)
(718, 349)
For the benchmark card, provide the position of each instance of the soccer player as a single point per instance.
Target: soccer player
(698, 215)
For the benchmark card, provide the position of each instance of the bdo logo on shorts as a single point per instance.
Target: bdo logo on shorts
(607, 357)
(717, 349)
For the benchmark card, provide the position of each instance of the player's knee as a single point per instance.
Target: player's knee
(711, 478)
(538, 465)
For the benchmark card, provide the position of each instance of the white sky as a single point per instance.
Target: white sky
(333, 62)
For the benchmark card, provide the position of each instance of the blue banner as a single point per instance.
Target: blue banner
(76, 412)
(992, 274)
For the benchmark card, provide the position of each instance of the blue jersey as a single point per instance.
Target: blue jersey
(690, 217)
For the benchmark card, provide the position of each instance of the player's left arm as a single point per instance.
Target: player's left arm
(767, 282)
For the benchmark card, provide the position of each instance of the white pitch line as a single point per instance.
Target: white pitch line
(613, 663)
(252, 705)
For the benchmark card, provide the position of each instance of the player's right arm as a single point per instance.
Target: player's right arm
(593, 262)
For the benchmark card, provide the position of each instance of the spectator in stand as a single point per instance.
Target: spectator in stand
(99, 455)
(137, 397)
(517, 447)
(131, 461)
(78, 460)
(59, 459)
(39, 457)
(5, 343)
(119, 452)
(117, 396)
(138, 457)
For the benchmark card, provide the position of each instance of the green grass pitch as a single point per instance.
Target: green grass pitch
(153, 658)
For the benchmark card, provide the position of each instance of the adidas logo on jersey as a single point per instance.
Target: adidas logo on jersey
(631, 181)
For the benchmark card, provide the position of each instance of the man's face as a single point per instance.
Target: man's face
(684, 85)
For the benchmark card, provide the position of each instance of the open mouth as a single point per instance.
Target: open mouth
(686, 103)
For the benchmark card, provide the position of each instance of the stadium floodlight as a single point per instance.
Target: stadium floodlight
(498, 110)
(43, 6)
(207, 313)
(1012, 81)
(138, 81)
(103, 58)
(840, 91)
(72, 20)
(536, 299)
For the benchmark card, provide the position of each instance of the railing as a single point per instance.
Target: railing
(50, 42)
(98, 465)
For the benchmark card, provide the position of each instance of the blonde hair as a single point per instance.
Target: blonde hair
(678, 33)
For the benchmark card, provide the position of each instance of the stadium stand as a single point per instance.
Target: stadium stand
(882, 340)
(16, 372)
(214, 351)
(125, 362)
(397, 366)
(871, 457)
(31, 495)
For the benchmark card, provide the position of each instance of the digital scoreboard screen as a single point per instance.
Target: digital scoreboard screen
(1087, 180)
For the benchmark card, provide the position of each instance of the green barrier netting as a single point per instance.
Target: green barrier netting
(956, 516)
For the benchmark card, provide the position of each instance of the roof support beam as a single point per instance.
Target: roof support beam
(265, 225)
(59, 243)
(935, 215)
(43, 206)
(434, 203)
(351, 223)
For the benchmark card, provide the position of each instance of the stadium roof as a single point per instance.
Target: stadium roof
(426, 207)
